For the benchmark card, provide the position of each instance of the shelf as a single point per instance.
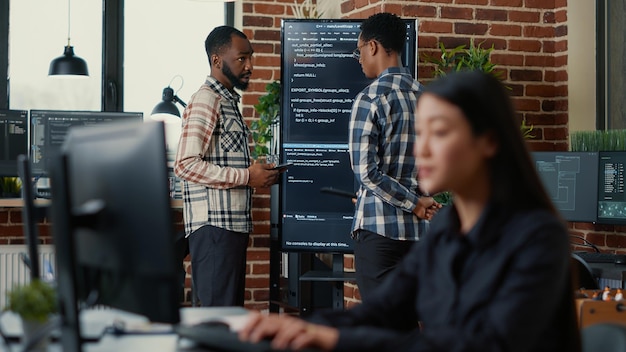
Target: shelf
(327, 275)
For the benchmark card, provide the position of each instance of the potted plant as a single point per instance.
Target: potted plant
(268, 109)
(10, 187)
(461, 58)
(35, 303)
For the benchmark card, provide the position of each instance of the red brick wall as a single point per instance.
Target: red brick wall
(530, 41)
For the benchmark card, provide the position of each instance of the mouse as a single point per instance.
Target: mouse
(213, 323)
(621, 260)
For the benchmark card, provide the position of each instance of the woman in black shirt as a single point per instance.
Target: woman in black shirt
(492, 273)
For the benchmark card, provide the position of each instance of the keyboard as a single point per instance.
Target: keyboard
(599, 257)
(219, 338)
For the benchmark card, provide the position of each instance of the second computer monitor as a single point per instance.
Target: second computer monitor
(49, 128)
(570, 179)
(13, 139)
(611, 196)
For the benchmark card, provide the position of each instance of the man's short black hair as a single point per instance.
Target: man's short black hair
(387, 29)
(219, 38)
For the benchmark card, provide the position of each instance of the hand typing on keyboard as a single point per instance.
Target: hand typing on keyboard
(287, 332)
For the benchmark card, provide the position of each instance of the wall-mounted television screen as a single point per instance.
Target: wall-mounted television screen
(320, 79)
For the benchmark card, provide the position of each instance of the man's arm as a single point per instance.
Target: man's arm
(199, 121)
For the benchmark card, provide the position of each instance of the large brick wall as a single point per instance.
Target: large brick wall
(530, 41)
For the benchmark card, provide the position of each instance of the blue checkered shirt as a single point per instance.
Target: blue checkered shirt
(381, 154)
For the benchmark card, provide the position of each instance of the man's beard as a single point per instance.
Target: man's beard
(234, 80)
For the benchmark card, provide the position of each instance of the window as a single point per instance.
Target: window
(166, 46)
(162, 40)
(38, 34)
(611, 70)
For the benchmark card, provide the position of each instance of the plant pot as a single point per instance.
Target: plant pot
(32, 329)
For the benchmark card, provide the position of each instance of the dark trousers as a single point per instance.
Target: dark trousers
(218, 266)
(375, 257)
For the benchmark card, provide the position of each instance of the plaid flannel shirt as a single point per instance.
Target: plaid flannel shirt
(381, 154)
(212, 161)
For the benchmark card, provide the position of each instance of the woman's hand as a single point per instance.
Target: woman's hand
(287, 332)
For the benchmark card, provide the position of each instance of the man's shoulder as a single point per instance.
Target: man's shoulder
(392, 81)
(206, 94)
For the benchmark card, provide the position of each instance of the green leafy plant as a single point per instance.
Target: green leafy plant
(268, 109)
(10, 186)
(34, 301)
(598, 140)
(474, 57)
(461, 58)
(307, 9)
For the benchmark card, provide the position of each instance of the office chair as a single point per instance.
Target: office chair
(604, 337)
(583, 274)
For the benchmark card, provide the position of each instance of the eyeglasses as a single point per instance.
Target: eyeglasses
(356, 53)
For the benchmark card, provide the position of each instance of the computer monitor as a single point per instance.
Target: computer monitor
(13, 140)
(611, 197)
(31, 215)
(48, 129)
(320, 80)
(570, 179)
(112, 224)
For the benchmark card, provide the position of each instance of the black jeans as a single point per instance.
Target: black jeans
(218, 266)
(376, 256)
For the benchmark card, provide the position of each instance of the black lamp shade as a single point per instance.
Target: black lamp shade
(166, 106)
(68, 64)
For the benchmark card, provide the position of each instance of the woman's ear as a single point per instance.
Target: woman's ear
(489, 144)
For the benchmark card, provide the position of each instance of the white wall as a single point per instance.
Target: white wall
(582, 64)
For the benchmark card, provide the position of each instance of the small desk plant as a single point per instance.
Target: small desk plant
(35, 303)
(10, 187)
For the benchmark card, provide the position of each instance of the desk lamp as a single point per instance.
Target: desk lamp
(168, 112)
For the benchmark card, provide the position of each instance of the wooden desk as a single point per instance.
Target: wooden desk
(19, 203)
(592, 312)
(148, 342)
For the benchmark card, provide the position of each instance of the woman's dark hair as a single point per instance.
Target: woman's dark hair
(487, 106)
(219, 38)
(387, 29)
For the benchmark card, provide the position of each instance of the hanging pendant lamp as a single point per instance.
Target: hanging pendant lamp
(68, 64)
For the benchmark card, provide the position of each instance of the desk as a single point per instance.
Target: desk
(609, 274)
(19, 203)
(130, 342)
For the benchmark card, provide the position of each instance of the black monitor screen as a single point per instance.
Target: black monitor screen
(49, 127)
(611, 199)
(320, 80)
(112, 221)
(13, 139)
(570, 179)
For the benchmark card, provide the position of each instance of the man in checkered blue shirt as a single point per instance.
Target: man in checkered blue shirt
(390, 211)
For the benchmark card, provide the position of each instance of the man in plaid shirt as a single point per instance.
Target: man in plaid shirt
(390, 212)
(213, 160)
